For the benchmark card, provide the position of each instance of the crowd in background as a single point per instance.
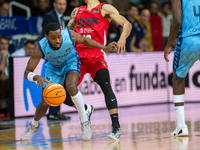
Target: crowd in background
(150, 20)
(155, 30)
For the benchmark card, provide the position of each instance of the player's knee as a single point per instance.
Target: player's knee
(105, 86)
(72, 90)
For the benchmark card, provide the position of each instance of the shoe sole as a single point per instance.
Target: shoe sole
(182, 135)
(111, 137)
(88, 138)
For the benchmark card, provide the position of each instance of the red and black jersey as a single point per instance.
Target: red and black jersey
(93, 25)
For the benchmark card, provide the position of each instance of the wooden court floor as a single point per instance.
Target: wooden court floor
(143, 128)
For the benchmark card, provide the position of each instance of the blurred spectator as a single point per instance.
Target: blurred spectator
(131, 17)
(27, 49)
(4, 54)
(144, 45)
(166, 14)
(4, 9)
(160, 1)
(56, 15)
(148, 36)
(4, 46)
(41, 9)
(154, 8)
(140, 30)
(156, 27)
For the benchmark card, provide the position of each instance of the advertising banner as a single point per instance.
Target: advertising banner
(136, 79)
(12, 25)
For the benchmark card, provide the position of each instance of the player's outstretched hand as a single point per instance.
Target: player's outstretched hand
(40, 81)
(111, 47)
(121, 45)
(167, 52)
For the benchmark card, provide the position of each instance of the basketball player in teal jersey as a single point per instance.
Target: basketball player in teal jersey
(185, 25)
(63, 67)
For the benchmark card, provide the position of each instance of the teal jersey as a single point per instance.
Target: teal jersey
(190, 18)
(60, 62)
(62, 56)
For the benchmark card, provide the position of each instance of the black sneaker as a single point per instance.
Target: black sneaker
(115, 133)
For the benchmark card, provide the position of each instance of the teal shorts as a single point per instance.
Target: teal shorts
(186, 53)
(58, 75)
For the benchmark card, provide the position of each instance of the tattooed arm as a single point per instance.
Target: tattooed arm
(72, 22)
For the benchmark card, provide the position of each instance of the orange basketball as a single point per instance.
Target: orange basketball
(54, 94)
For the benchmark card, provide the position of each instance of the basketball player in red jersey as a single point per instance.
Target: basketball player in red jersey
(92, 21)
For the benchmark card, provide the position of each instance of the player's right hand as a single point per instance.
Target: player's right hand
(40, 81)
(167, 52)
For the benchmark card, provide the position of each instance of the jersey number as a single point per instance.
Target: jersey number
(88, 36)
(195, 12)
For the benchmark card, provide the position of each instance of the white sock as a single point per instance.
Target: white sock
(180, 114)
(79, 103)
(35, 123)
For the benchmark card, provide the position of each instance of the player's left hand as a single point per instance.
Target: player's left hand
(121, 45)
(167, 52)
(112, 46)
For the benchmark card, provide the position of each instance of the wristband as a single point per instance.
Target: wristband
(30, 76)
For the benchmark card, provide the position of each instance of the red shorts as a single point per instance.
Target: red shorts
(91, 66)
